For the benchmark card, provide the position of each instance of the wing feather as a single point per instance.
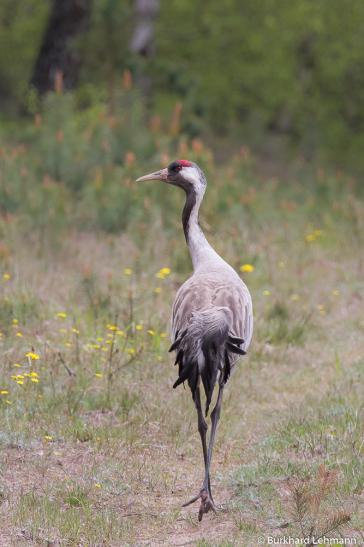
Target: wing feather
(201, 291)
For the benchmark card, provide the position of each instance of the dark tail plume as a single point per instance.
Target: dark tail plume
(203, 350)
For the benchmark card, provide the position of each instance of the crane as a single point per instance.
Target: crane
(212, 316)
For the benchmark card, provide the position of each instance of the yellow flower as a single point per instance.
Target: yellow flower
(19, 334)
(247, 268)
(131, 351)
(163, 334)
(35, 380)
(48, 438)
(128, 271)
(163, 273)
(266, 292)
(111, 327)
(98, 374)
(99, 339)
(151, 332)
(310, 237)
(157, 290)
(15, 321)
(315, 234)
(120, 333)
(16, 365)
(139, 327)
(20, 382)
(97, 485)
(34, 374)
(94, 346)
(68, 344)
(61, 315)
(76, 331)
(335, 292)
(33, 356)
(4, 392)
(8, 402)
(6, 276)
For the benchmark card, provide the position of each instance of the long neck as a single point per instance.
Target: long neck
(200, 250)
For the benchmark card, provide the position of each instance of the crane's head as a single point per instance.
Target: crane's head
(182, 173)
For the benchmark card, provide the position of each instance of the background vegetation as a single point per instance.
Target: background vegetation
(291, 72)
(96, 448)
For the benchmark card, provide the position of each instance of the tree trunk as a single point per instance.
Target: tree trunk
(56, 57)
(142, 40)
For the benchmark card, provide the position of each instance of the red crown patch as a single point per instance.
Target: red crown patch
(185, 163)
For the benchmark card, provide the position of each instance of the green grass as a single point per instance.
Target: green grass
(100, 448)
(325, 431)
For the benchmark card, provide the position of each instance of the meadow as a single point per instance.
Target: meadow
(96, 446)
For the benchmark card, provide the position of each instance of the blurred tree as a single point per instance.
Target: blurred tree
(68, 18)
(292, 71)
(105, 49)
(142, 42)
(257, 69)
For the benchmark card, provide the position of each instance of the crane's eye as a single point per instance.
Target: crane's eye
(174, 167)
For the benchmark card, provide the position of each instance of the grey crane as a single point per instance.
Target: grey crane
(212, 317)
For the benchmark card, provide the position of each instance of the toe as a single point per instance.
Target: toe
(206, 504)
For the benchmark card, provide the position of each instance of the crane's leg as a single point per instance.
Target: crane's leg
(207, 503)
(202, 429)
(215, 416)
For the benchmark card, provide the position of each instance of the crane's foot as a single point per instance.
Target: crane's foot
(207, 503)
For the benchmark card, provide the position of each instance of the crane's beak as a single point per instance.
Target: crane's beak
(158, 175)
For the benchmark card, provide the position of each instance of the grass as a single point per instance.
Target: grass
(96, 446)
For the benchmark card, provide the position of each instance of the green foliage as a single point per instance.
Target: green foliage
(19, 306)
(77, 497)
(283, 329)
(288, 66)
(78, 167)
(85, 157)
(21, 28)
(246, 69)
(313, 456)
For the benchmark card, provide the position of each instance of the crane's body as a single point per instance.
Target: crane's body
(212, 318)
(208, 291)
